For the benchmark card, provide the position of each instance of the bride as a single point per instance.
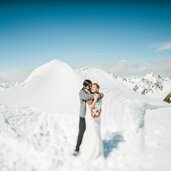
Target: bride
(92, 146)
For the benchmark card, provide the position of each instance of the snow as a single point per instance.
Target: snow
(151, 84)
(157, 138)
(5, 85)
(47, 87)
(39, 123)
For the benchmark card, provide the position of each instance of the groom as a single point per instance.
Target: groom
(84, 94)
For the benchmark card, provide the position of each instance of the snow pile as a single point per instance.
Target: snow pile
(157, 138)
(48, 88)
(39, 125)
(34, 140)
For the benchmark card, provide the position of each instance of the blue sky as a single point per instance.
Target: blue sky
(82, 34)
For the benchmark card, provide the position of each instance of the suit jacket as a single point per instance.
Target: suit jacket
(84, 95)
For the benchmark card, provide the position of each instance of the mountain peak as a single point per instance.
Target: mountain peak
(54, 67)
(47, 87)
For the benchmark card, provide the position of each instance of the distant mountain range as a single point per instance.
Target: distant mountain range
(150, 84)
(4, 85)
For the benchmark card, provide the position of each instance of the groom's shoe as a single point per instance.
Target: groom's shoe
(75, 153)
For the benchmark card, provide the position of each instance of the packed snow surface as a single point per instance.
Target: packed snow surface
(39, 123)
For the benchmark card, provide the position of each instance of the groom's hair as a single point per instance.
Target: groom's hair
(86, 83)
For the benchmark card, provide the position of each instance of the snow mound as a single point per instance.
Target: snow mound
(50, 87)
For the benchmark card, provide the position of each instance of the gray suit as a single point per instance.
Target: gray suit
(84, 96)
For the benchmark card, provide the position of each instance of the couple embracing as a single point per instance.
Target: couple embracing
(89, 143)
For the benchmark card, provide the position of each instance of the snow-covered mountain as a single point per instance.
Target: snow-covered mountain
(4, 85)
(151, 84)
(39, 123)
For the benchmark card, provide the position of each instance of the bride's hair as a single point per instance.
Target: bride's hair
(91, 100)
(96, 85)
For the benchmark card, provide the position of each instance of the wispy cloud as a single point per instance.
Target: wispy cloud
(126, 68)
(163, 46)
(123, 68)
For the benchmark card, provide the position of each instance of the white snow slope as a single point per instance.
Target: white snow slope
(39, 124)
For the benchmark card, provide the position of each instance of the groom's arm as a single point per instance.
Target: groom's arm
(85, 96)
(101, 95)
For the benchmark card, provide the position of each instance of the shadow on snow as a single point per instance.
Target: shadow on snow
(112, 143)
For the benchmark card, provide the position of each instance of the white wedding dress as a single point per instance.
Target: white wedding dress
(92, 146)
